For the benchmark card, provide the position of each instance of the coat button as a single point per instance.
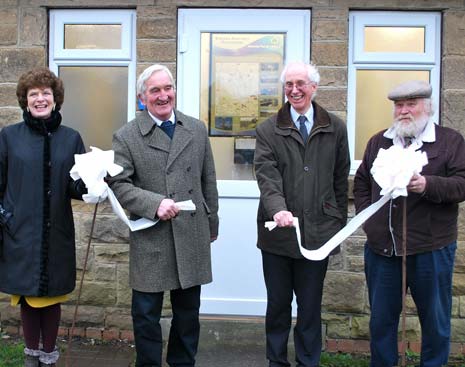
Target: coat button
(171, 195)
(306, 168)
(193, 214)
(190, 191)
(385, 250)
(49, 193)
(188, 169)
(49, 224)
(50, 164)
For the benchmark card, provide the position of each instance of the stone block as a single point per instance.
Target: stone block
(9, 116)
(461, 306)
(458, 284)
(107, 229)
(329, 53)
(455, 311)
(81, 251)
(118, 318)
(8, 95)
(104, 272)
(333, 77)
(454, 33)
(330, 30)
(453, 112)
(8, 34)
(8, 26)
(354, 246)
(156, 28)
(112, 253)
(14, 62)
(461, 221)
(123, 291)
(337, 326)
(97, 294)
(343, 286)
(330, 13)
(459, 266)
(336, 262)
(156, 51)
(458, 330)
(110, 334)
(453, 72)
(33, 26)
(332, 99)
(87, 315)
(355, 264)
(9, 315)
(360, 327)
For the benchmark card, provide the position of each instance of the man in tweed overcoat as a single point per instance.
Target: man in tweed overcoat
(167, 158)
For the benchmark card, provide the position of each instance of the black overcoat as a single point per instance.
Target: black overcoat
(38, 257)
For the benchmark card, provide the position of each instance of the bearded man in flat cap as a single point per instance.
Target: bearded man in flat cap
(432, 210)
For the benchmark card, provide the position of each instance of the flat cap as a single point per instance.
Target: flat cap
(411, 89)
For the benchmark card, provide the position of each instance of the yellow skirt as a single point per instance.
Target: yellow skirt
(39, 302)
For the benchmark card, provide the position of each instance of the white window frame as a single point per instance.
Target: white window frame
(125, 56)
(430, 60)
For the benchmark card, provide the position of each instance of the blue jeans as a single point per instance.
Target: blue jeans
(429, 277)
(184, 332)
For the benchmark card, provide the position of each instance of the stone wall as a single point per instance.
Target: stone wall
(105, 310)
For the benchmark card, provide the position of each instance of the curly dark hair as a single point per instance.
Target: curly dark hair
(40, 78)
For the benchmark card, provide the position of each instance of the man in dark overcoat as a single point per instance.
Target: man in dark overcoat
(167, 158)
(302, 165)
(432, 210)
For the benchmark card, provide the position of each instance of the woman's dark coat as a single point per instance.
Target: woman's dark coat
(38, 257)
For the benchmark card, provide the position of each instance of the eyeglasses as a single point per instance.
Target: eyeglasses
(300, 84)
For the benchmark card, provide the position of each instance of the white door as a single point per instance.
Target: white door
(238, 286)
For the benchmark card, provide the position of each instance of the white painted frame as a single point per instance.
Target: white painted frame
(430, 60)
(126, 56)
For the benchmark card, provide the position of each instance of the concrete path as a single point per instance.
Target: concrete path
(122, 355)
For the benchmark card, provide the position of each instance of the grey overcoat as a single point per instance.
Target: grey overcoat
(176, 253)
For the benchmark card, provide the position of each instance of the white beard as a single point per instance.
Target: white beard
(411, 129)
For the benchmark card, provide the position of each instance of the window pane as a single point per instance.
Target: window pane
(92, 36)
(394, 39)
(96, 102)
(239, 88)
(373, 109)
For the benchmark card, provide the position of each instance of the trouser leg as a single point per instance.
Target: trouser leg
(430, 282)
(277, 271)
(146, 313)
(308, 286)
(384, 280)
(185, 327)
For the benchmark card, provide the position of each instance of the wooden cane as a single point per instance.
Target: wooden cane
(404, 280)
(71, 333)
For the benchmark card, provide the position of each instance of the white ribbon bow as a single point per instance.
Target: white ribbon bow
(92, 168)
(392, 170)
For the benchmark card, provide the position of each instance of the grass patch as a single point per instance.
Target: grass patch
(11, 353)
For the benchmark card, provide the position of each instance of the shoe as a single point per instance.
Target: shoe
(31, 357)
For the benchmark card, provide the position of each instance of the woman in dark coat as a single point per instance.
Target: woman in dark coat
(37, 251)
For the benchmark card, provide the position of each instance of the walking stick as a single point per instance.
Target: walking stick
(404, 279)
(70, 338)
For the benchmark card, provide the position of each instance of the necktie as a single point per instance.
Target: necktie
(168, 128)
(302, 127)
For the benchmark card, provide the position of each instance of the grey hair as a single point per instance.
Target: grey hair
(147, 73)
(429, 105)
(312, 71)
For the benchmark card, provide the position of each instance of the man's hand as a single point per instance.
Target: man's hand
(417, 184)
(167, 209)
(284, 218)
